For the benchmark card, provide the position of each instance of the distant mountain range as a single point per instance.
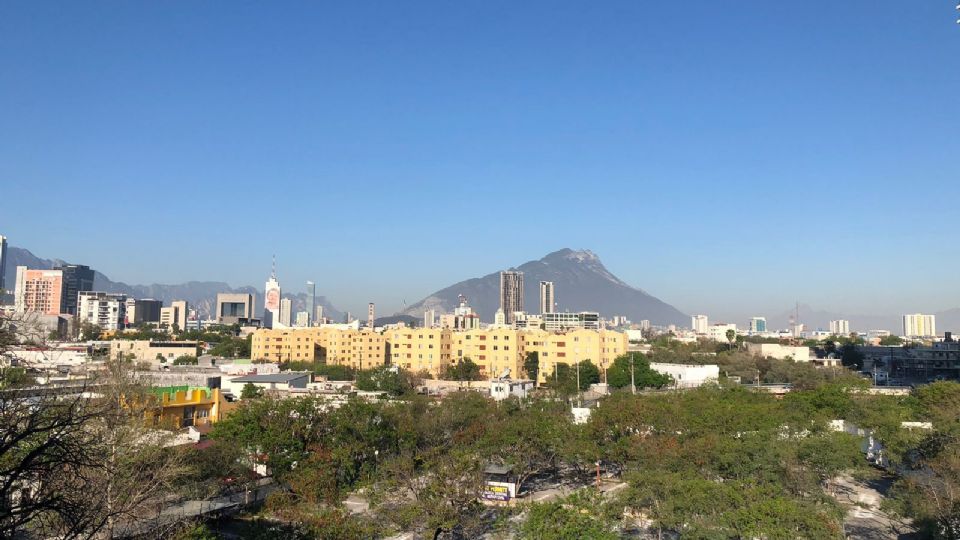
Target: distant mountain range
(581, 283)
(200, 294)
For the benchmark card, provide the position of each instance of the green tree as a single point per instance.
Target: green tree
(90, 332)
(390, 379)
(582, 515)
(250, 391)
(185, 360)
(531, 365)
(891, 341)
(851, 356)
(618, 374)
(464, 369)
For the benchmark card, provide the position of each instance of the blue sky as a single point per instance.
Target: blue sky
(729, 157)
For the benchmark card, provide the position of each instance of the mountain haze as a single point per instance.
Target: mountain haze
(200, 294)
(581, 283)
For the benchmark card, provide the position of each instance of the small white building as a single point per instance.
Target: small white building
(718, 332)
(689, 376)
(286, 380)
(780, 352)
(502, 389)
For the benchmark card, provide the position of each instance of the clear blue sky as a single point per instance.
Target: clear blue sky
(729, 157)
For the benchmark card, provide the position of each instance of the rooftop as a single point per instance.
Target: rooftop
(284, 377)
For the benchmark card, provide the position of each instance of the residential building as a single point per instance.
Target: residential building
(106, 310)
(371, 315)
(511, 293)
(175, 315)
(560, 322)
(39, 291)
(420, 349)
(919, 325)
(142, 350)
(429, 318)
(699, 324)
(547, 301)
(501, 389)
(645, 324)
(302, 320)
(758, 325)
(334, 345)
(284, 381)
(232, 308)
(840, 327)
(940, 360)
(600, 347)
(718, 332)
(185, 406)
(146, 310)
(499, 318)
(318, 316)
(311, 302)
(77, 278)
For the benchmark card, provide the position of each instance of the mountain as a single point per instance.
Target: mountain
(200, 294)
(581, 283)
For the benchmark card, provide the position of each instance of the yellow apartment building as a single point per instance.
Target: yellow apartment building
(420, 349)
(185, 406)
(598, 346)
(493, 349)
(358, 349)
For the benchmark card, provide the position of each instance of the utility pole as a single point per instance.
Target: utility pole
(579, 394)
(633, 384)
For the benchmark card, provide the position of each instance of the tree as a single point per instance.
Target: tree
(566, 376)
(186, 360)
(618, 374)
(390, 379)
(731, 336)
(463, 370)
(582, 515)
(891, 341)
(531, 365)
(90, 332)
(250, 391)
(851, 356)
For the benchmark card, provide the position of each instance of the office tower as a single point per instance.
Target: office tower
(146, 310)
(840, 327)
(286, 307)
(77, 278)
(318, 315)
(919, 325)
(175, 315)
(302, 320)
(232, 307)
(429, 318)
(546, 297)
(511, 294)
(271, 300)
(758, 325)
(371, 315)
(39, 291)
(699, 324)
(311, 300)
(3, 262)
(108, 311)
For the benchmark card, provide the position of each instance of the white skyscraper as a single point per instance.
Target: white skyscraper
(699, 324)
(286, 307)
(302, 320)
(546, 297)
(429, 318)
(919, 325)
(271, 301)
(840, 327)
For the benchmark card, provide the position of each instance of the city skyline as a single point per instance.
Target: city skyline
(753, 155)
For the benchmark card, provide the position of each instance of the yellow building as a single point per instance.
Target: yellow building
(358, 349)
(185, 406)
(420, 349)
(494, 350)
(599, 347)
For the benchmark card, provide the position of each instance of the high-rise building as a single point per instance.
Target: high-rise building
(429, 318)
(499, 318)
(311, 300)
(175, 315)
(645, 324)
(511, 293)
(371, 315)
(286, 308)
(146, 310)
(232, 307)
(3, 262)
(39, 291)
(318, 315)
(271, 301)
(546, 297)
(919, 325)
(108, 311)
(840, 327)
(303, 319)
(699, 324)
(77, 278)
(758, 325)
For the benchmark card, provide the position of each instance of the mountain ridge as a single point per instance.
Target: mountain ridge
(581, 283)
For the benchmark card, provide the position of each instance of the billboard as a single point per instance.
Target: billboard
(496, 491)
